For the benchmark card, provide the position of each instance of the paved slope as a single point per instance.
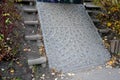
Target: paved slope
(93, 74)
(71, 40)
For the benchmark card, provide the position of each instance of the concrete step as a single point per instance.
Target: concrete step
(40, 60)
(31, 22)
(99, 26)
(90, 5)
(28, 2)
(115, 46)
(33, 37)
(96, 21)
(30, 10)
(93, 11)
(104, 30)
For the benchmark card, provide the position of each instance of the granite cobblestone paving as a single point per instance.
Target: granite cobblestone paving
(71, 39)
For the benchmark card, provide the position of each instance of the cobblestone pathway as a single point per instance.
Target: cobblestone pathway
(71, 40)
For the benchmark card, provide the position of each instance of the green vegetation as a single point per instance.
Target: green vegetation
(110, 17)
(8, 36)
(111, 14)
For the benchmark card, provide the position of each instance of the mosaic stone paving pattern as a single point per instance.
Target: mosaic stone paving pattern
(71, 40)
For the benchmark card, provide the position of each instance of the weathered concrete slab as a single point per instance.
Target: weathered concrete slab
(71, 40)
(93, 74)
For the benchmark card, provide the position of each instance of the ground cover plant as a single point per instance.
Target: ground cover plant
(13, 63)
(110, 16)
(8, 36)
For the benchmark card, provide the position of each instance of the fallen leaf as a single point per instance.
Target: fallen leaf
(56, 78)
(53, 70)
(18, 62)
(2, 69)
(26, 50)
(70, 74)
(43, 75)
(53, 73)
(12, 71)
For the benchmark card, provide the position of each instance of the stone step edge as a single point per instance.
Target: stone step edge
(31, 22)
(91, 4)
(104, 30)
(30, 10)
(33, 37)
(96, 20)
(93, 11)
(41, 60)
